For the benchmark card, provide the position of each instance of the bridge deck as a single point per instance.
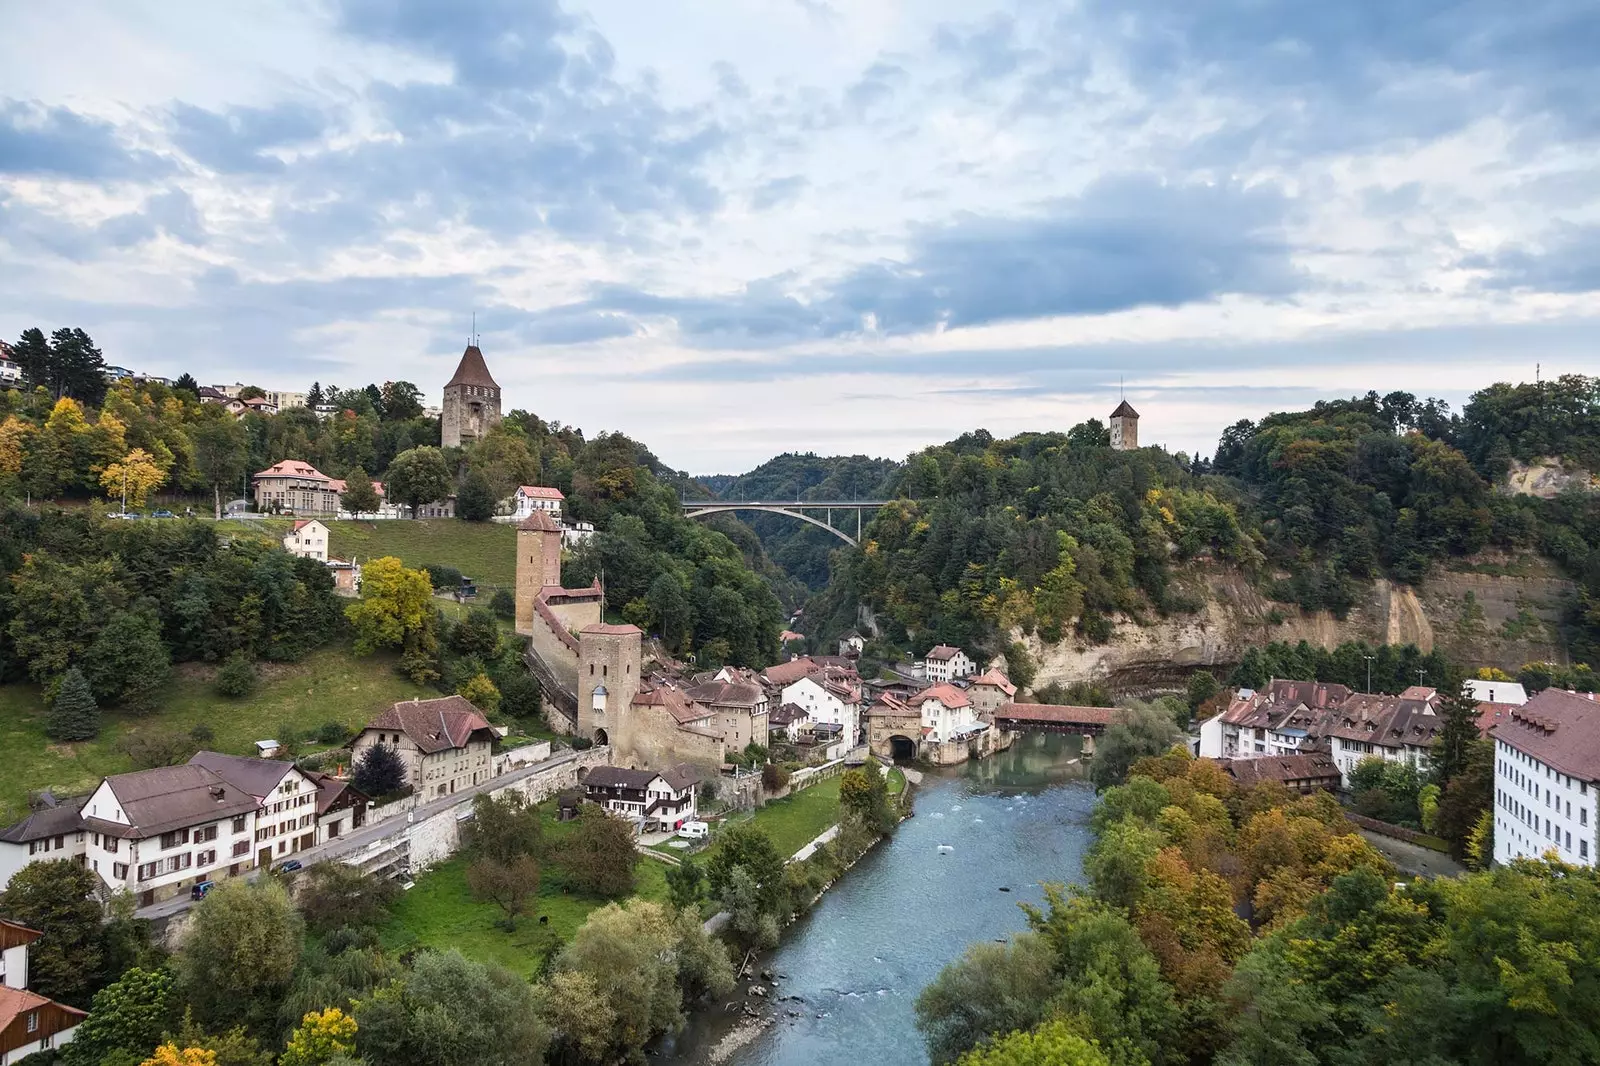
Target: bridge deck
(1053, 718)
(792, 504)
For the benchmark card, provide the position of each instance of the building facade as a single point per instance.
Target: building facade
(644, 796)
(530, 498)
(1547, 779)
(308, 539)
(1124, 428)
(29, 1023)
(471, 401)
(445, 744)
(946, 663)
(296, 487)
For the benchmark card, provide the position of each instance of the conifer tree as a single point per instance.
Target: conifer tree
(74, 715)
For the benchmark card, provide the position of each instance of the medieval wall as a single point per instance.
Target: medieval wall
(657, 742)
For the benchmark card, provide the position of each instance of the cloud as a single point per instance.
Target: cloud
(490, 44)
(1568, 262)
(778, 191)
(42, 141)
(240, 140)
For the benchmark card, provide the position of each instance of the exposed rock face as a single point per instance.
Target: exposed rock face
(1497, 610)
(1547, 478)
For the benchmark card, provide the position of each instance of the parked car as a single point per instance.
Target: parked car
(694, 831)
(289, 866)
(201, 888)
(162, 514)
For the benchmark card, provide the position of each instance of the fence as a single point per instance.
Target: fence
(1398, 832)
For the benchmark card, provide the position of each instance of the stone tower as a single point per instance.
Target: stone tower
(609, 659)
(538, 564)
(1124, 428)
(471, 401)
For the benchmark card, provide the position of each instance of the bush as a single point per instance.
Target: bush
(156, 747)
(237, 678)
(332, 733)
(443, 577)
(773, 777)
(581, 743)
(202, 734)
(519, 695)
(503, 604)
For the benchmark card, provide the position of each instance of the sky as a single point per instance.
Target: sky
(734, 228)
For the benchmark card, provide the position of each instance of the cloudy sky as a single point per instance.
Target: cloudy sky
(732, 228)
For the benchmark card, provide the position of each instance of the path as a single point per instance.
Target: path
(1413, 859)
(396, 826)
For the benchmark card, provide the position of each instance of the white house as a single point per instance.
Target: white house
(1495, 691)
(1392, 728)
(666, 797)
(51, 832)
(157, 832)
(1547, 778)
(947, 715)
(307, 538)
(286, 801)
(531, 498)
(851, 644)
(944, 663)
(828, 696)
(29, 1023)
(788, 721)
(1275, 721)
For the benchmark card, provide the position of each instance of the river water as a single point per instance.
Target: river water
(862, 954)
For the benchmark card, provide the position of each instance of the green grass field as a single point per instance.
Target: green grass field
(484, 551)
(330, 686)
(797, 819)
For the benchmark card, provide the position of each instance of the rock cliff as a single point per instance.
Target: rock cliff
(1493, 610)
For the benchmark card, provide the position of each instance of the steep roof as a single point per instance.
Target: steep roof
(1124, 410)
(255, 776)
(727, 694)
(171, 797)
(540, 492)
(13, 935)
(1560, 729)
(472, 370)
(942, 652)
(787, 713)
(671, 700)
(330, 789)
(540, 522)
(997, 679)
(49, 822)
(1283, 768)
(15, 1002)
(785, 674)
(619, 777)
(948, 695)
(433, 725)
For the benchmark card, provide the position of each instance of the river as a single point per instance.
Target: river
(859, 958)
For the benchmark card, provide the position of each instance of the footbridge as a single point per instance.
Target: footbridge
(794, 509)
(1051, 718)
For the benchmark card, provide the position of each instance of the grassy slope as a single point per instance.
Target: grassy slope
(797, 819)
(484, 551)
(331, 685)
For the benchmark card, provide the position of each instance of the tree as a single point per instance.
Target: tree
(170, 1054)
(238, 958)
(479, 691)
(221, 450)
(359, 496)
(685, 883)
(505, 827)
(752, 919)
(598, 855)
(187, 383)
(235, 1047)
(1052, 1044)
(992, 989)
(127, 662)
(134, 476)
(449, 1011)
(395, 605)
(400, 401)
(335, 896)
(379, 771)
(1134, 733)
(503, 604)
(237, 678)
(56, 898)
(314, 398)
(864, 793)
(1453, 747)
(1202, 686)
(126, 1017)
(747, 847)
(508, 885)
(74, 715)
(69, 365)
(475, 500)
(417, 476)
(321, 1037)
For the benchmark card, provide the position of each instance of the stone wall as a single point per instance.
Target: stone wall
(556, 648)
(656, 740)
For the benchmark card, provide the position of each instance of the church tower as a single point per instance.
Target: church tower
(1124, 428)
(471, 401)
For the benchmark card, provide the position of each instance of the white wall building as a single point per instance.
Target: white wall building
(530, 498)
(29, 1023)
(947, 714)
(445, 743)
(308, 539)
(827, 702)
(944, 663)
(1547, 779)
(1496, 691)
(52, 832)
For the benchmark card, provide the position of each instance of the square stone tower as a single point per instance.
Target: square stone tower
(1124, 428)
(609, 659)
(471, 401)
(538, 564)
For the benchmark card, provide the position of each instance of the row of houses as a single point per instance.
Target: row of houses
(29, 1023)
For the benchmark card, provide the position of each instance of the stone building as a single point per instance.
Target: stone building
(471, 401)
(444, 743)
(1124, 427)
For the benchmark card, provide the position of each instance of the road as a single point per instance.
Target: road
(395, 826)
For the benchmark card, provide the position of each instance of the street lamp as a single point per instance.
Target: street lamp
(1369, 659)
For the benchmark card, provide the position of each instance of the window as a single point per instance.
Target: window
(33, 1021)
(147, 870)
(238, 824)
(173, 839)
(241, 847)
(203, 835)
(206, 858)
(119, 870)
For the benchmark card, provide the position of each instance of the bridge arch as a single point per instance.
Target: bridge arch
(902, 748)
(700, 510)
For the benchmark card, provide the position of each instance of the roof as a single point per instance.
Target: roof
(171, 797)
(787, 713)
(433, 725)
(1560, 729)
(330, 789)
(1495, 691)
(1054, 712)
(672, 700)
(997, 679)
(539, 522)
(942, 652)
(52, 821)
(472, 370)
(619, 777)
(1492, 714)
(886, 706)
(247, 773)
(293, 468)
(15, 1002)
(681, 776)
(785, 674)
(540, 492)
(1282, 768)
(13, 935)
(341, 486)
(606, 629)
(948, 695)
(727, 694)
(1124, 410)
(1419, 692)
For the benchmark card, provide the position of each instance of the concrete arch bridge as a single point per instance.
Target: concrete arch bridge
(794, 509)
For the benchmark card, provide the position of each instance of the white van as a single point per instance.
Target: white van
(694, 830)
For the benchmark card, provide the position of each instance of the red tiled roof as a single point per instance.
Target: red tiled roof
(1492, 714)
(472, 370)
(1051, 712)
(997, 679)
(433, 725)
(539, 522)
(540, 492)
(727, 693)
(948, 695)
(293, 468)
(1283, 768)
(673, 701)
(1560, 729)
(942, 652)
(783, 675)
(15, 1002)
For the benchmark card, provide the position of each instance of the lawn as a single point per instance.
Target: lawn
(797, 819)
(483, 551)
(439, 912)
(331, 685)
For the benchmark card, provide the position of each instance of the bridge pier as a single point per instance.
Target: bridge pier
(1088, 746)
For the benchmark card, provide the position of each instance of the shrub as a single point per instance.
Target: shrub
(504, 604)
(773, 777)
(379, 771)
(202, 734)
(332, 733)
(237, 678)
(443, 577)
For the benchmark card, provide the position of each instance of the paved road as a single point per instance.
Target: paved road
(394, 826)
(1413, 859)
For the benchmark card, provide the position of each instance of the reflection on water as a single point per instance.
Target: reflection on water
(858, 960)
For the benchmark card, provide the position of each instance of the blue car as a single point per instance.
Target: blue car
(289, 866)
(162, 514)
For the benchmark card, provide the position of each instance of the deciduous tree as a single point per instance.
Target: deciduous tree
(359, 496)
(991, 990)
(417, 476)
(56, 898)
(133, 477)
(238, 958)
(598, 855)
(449, 1011)
(508, 885)
(127, 1017)
(321, 1037)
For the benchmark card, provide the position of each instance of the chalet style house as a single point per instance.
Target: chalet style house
(644, 796)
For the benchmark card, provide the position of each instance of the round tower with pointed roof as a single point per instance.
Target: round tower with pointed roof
(471, 401)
